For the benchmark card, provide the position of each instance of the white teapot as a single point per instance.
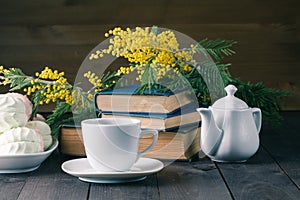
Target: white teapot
(230, 129)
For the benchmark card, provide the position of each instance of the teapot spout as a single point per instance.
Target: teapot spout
(211, 134)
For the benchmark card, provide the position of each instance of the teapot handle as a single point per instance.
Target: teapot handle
(257, 118)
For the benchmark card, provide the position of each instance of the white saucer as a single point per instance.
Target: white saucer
(25, 162)
(83, 170)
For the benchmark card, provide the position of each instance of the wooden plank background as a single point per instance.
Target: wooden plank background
(60, 33)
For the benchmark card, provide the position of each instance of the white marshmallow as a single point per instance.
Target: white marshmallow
(12, 112)
(27, 103)
(11, 104)
(44, 129)
(20, 140)
(18, 148)
(10, 120)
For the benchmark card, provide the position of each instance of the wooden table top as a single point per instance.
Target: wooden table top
(272, 173)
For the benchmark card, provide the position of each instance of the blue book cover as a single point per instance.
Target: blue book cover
(180, 111)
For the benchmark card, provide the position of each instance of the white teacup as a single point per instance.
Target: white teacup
(112, 144)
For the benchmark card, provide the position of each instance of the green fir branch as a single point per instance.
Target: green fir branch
(17, 79)
(258, 95)
(224, 72)
(216, 48)
(35, 99)
(61, 108)
(56, 126)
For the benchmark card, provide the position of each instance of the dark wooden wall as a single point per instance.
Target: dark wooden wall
(60, 33)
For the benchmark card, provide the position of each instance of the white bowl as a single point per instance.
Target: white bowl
(25, 162)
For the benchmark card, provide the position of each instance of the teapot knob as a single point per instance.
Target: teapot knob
(230, 89)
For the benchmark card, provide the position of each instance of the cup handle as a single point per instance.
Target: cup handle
(155, 137)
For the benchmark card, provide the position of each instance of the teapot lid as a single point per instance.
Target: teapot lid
(230, 101)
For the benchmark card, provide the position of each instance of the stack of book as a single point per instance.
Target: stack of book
(161, 111)
(173, 115)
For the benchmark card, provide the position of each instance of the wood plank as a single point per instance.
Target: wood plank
(283, 144)
(49, 182)
(233, 11)
(57, 12)
(167, 11)
(52, 35)
(34, 58)
(146, 189)
(94, 33)
(291, 120)
(259, 178)
(196, 180)
(11, 185)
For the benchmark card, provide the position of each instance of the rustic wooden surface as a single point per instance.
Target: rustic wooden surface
(272, 173)
(60, 33)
